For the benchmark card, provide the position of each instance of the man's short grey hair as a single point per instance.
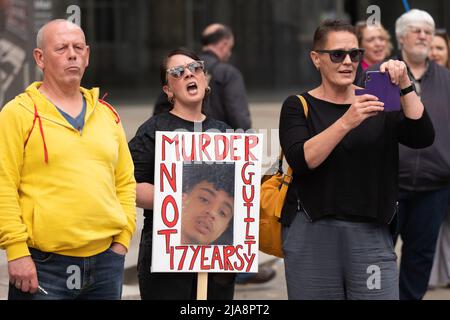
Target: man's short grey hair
(40, 34)
(412, 17)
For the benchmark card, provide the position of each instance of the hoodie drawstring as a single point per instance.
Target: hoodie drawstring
(37, 117)
(102, 101)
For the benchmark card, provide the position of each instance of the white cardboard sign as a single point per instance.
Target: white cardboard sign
(206, 203)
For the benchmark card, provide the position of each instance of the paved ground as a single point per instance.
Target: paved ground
(265, 116)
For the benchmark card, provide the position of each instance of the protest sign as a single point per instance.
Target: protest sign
(206, 203)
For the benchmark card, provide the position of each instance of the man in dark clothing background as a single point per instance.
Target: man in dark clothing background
(227, 101)
(424, 175)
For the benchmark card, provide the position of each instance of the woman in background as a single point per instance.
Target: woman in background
(440, 52)
(376, 41)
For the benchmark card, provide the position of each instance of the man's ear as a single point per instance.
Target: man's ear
(88, 49)
(222, 46)
(225, 42)
(315, 59)
(38, 55)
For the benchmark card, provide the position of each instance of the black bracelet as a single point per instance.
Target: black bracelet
(404, 92)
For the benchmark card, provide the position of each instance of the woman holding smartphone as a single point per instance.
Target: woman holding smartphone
(344, 154)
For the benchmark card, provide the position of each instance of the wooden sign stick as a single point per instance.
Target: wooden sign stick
(202, 286)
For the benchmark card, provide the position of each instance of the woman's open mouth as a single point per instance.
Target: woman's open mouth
(192, 88)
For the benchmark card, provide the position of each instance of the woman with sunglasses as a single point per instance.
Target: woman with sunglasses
(183, 79)
(344, 154)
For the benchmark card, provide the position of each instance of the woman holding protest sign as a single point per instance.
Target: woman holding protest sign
(344, 155)
(184, 81)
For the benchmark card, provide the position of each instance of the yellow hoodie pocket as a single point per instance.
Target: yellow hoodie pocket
(41, 237)
(46, 234)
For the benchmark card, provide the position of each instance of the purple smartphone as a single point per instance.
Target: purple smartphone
(380, 85)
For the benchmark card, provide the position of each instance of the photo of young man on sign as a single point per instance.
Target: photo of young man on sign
(207, 204)
(206, 207)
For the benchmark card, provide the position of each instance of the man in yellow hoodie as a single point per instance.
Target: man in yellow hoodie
(67, 188)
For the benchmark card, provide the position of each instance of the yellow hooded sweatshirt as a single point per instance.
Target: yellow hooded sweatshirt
(61, 190)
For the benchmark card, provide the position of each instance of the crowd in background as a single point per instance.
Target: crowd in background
(362, 176)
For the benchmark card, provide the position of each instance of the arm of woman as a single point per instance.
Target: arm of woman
(416, 129)
(142, 148)
(411, 104)
(320, 147)
(144, 195)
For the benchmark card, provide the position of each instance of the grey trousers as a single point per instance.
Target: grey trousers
(335, 260)
(440, 274)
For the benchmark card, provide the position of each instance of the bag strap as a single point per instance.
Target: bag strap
(281, 157)
(287, 178)
(41, 129)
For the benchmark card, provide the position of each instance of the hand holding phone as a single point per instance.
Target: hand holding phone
(363, 107)
(380, 85)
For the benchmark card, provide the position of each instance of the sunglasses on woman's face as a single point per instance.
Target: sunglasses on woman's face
(338, 56)
(194, 67)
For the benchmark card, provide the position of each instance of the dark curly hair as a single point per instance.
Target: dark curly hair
(220, 175)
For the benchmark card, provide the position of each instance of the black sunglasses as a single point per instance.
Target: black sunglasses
(194, 67)
(338, 56)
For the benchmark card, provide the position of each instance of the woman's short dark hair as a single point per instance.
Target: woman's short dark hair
(163, 67)
(220, 175)
(321, 34)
